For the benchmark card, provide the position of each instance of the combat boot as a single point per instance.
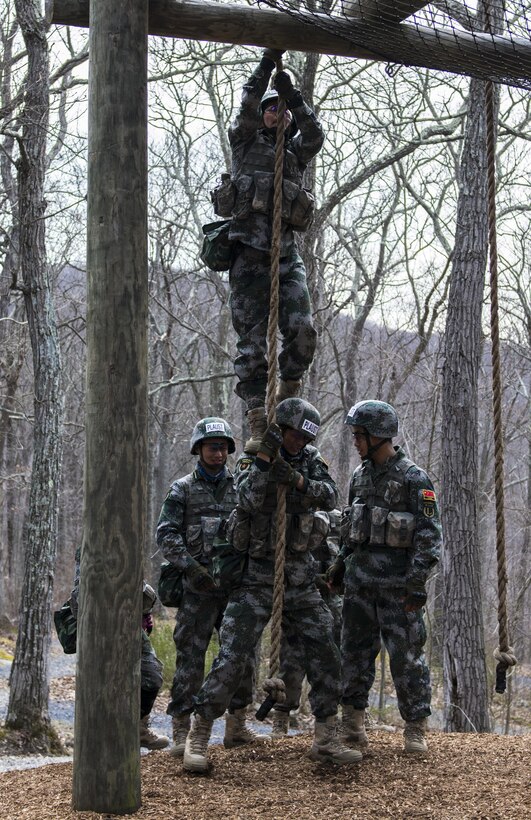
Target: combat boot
(353, 726)
(288, 389)
(150, 739)
(328, 748)
(195, 748)
(372, 725)
(415, 736)
(237, 733)
(180, 728)
(280, 724)
(257, 423)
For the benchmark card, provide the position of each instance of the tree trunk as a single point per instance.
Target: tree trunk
(28, 701)
(465, 674)
(107, 752)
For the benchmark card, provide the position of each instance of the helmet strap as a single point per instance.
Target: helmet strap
(372, 448)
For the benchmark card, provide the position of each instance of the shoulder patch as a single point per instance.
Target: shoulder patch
(428, 495)
(244, 464)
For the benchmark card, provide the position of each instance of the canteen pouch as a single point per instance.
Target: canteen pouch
(400, 529)
(216, 251)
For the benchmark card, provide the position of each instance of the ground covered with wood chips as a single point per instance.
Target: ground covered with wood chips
(463, 776)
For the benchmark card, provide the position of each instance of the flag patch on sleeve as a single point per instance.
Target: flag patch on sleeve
(428, 495)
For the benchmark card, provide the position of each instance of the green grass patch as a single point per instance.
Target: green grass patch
(162, 642)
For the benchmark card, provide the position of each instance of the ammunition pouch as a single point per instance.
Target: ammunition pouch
(224, 197)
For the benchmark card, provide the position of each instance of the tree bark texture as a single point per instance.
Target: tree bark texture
(477, 54)
(28, 700)
(106, 752)
(465, 675)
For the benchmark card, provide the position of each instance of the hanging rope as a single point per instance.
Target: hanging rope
(504, 653)
(273, 685)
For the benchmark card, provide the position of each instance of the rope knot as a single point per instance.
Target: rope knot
(275, 688)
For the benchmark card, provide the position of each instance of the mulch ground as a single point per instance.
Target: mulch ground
(464, 776)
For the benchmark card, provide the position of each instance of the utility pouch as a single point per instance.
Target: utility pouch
(239, 530)
(194, 539)
(216, 251)
(228, 565)
(359, 524)
(170, 586)
(244, 196)
(320, 529)
(302, 210)
(400, 529)
(224, 196)
(210, 528)
(263, 192)
(298, 532)
(378, 521)
(289, 194)
(66, 627)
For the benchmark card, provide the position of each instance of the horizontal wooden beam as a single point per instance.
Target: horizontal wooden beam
(481, 55)
(381, 11)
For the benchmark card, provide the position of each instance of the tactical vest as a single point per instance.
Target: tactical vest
(379, 515)
(207, 504)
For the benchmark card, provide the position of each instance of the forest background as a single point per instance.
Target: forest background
(396, 261)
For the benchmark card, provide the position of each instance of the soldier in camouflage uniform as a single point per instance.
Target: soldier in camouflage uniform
(252, 138)
(195, 508)
(309, 488)
(292, 656)
(150, 666)
(391, 539)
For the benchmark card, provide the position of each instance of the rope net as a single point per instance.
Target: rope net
(487, 40)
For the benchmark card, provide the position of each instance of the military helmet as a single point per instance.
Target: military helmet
(299, 415)
(268, 98)
(211, 427)
(377, 417)
(149, 597)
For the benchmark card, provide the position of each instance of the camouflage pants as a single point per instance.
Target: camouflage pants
(250, 277)
(150, 676)
(306, 618)
(368, 613)
(292, 657)
(196, 620)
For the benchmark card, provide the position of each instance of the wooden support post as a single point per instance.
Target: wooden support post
(107, 753)
(482, 55)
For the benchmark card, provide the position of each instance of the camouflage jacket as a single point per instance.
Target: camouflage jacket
(253, 149)
(191, 516)
(392, 526)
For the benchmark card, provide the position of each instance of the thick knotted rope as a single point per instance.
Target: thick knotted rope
(274, 686)
(504, 653)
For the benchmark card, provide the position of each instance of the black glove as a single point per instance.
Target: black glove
(199, 579)
(282, 83)
(284, 473)
(416, 597)
(335, 574)
(271, 441)
(273, 54)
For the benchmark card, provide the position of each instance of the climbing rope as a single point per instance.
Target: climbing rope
(504, 653)
(273, 685)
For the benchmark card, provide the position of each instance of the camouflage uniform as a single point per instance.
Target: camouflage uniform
(188, 523)
(292, 655)
(253, 162)
(391, 538)
(249, 607)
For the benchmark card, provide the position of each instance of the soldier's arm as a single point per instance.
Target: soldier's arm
(321, 487)
(427, 539)
(309, 141)
(170, 528)
(248, 119)
(252, 476)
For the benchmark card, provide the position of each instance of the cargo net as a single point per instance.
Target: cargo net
(491, 41)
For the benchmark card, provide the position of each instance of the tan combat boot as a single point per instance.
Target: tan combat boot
(373, 725)
(195, 748)
(280, 724)
(327, 746)
(257, 423)
(180, 728)
(415, 736)
(288, 389)
(353, 726)
(237, 733)
(150, 739)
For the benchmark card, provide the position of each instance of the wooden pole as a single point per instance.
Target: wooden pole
(107, 753)
(483, 55)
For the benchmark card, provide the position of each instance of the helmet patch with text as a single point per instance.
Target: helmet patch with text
(214, 427)
(310, 427)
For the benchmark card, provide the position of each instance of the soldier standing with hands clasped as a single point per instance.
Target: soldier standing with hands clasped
(391, 539)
